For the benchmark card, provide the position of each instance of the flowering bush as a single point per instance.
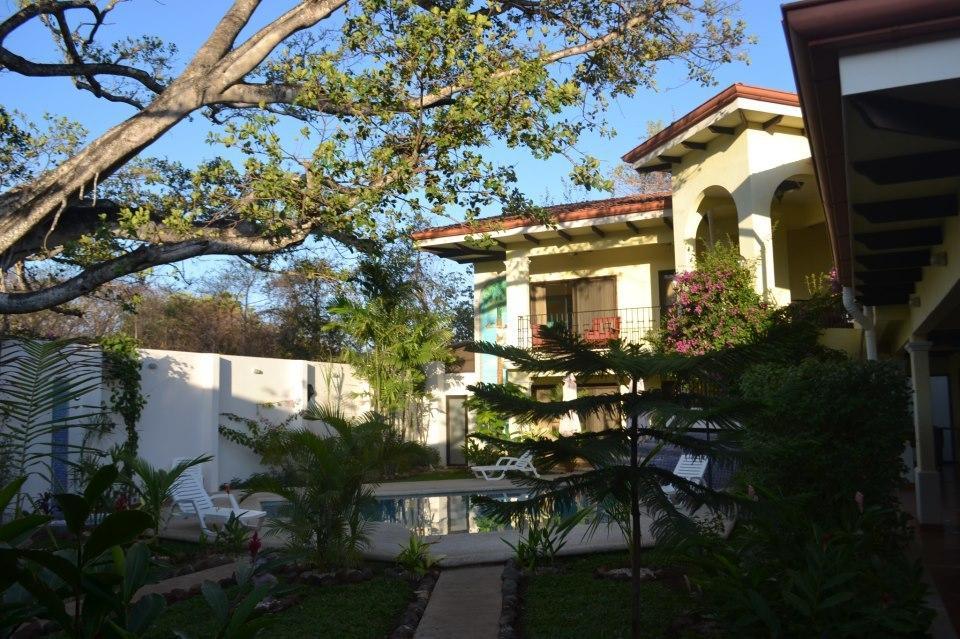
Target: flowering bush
(715, 305)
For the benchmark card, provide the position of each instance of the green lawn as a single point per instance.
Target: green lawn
(439, 473)
(366, 610)
(575, 604)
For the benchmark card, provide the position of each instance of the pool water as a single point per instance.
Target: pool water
(441, 514)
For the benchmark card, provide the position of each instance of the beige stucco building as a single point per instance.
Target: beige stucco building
(740, 169)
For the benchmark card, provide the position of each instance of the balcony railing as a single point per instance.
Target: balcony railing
(598, 327)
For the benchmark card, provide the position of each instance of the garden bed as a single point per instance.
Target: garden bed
(364, 610)
(570, 600)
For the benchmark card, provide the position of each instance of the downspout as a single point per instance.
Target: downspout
(858, 314)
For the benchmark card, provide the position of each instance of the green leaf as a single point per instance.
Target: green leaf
(145, 612)
(137, 564)
(12, 532)
(75, 509)
(217, 600)
(117, 529)
(8, 492)
(245, 609)
(100, 482)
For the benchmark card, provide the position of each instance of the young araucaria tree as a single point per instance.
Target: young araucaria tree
(622, 479)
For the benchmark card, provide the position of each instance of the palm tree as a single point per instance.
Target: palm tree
(622, 479)
(327, 483)
(38, 383)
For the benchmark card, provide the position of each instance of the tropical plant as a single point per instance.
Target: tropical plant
(782, 575)
(232, 536)
(716, 305)
(93, 574)
(621, 460)
(153, 486)
(540, 541)
(40, 381)
(415, 557)
(238, 619)
(395, 334)
(825, 430)
(323, 516)
(121, 372)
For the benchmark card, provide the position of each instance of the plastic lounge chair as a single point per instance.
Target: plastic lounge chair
(523, 464)
(192, 500)
(689, 467)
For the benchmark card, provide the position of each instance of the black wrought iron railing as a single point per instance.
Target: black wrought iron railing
(630, 324)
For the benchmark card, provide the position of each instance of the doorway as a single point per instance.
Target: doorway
(456, 429)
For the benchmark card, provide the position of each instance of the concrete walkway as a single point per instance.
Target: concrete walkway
(188, 581)
(465, 604)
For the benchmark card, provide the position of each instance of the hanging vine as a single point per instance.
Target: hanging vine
(121, 371)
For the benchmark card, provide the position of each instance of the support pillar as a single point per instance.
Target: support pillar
(517, 265)
(755, 235)
(927, 482)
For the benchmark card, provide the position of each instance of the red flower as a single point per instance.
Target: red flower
(121, 503)
(254, 546)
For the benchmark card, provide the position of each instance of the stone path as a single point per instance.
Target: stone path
(188, 581)
(465, 604)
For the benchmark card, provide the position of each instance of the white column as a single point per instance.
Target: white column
(927, 484)
(755, 232)
(517, 266)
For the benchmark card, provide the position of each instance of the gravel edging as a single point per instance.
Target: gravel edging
(412, 614)
(510, 608)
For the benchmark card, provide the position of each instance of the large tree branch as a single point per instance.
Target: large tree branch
(135, 261)
(76, 68)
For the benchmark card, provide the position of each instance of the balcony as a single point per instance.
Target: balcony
(596, 327)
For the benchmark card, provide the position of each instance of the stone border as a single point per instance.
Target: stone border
(510, 608)
(412, 614)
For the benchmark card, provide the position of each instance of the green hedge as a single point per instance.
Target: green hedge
(826, 430)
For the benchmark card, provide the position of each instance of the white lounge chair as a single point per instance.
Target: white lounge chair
(522, 464)
(192, 500)
(689, 467)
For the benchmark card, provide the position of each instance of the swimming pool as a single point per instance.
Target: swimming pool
(438, 514)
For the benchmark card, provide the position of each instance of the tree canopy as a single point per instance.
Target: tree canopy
(394, 105)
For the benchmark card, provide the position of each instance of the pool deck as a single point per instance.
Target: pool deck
(456, 549)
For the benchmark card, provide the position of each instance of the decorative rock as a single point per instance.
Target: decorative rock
(510, 607)
(624, 574)
(265, 579)
(271, 605)
(316, 578)
(175, 595)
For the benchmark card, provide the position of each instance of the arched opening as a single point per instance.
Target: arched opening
(718, 223)
(801, 247)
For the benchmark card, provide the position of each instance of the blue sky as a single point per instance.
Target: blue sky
(188, 23)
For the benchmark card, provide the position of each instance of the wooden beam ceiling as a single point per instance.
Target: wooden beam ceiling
(566, 236)
(911, 168)
(903, 238)
(670, 159)
(723, 130)
(654, 169)
(597, 231)
(886, 113)
(531, 239)
(890, 275)
(695, 146)
(633, 227)
(917, 208)
(901, 259)
(772, 122)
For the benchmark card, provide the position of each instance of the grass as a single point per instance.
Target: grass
(576, 604)
(366, 610)
(439, 474)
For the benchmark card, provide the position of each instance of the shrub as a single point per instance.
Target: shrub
(826, 430)
(416, 558)
(781, 576)
(715, 306)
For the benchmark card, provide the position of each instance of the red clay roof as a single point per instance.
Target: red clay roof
(710, 107)
(560, 213)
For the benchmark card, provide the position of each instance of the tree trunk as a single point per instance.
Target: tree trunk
(634, 523)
